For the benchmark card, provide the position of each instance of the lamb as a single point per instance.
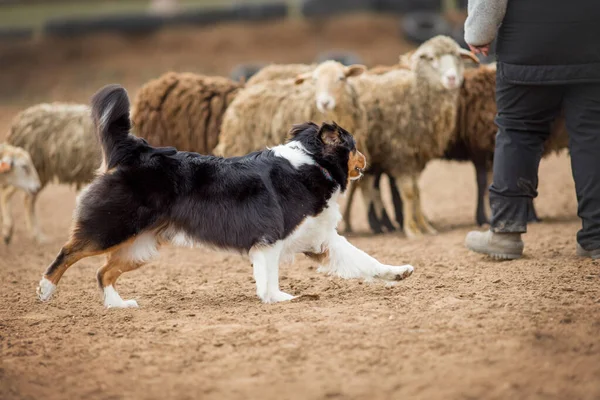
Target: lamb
(411, 116)
(63, 147)
(260, 113)
(16, 172)
(183, 110)
(474, 139)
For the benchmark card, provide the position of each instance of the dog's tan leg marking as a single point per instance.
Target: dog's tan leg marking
(107, 277)
(31, 218)
(422, 221)
(7, 221)
(407, 192)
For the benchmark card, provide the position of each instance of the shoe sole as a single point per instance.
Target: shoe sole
(496, 255)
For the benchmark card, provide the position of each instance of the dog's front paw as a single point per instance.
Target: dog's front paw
(276, 297)
(397, 273)
(45, 289)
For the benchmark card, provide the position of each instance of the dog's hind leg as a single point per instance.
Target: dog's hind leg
(265, 263)
(346, 261)
(127, 257)
(74, 250)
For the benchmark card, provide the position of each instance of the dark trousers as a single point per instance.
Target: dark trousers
(525, 114)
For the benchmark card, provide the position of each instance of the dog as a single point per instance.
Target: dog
(268, 205)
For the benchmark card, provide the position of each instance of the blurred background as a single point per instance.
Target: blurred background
(61, 50)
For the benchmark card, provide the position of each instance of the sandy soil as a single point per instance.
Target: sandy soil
(461, 327)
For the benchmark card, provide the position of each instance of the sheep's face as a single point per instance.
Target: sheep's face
(16, 169)
(330, 80)
(442, 60)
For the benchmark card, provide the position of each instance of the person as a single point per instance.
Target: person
(548, 62)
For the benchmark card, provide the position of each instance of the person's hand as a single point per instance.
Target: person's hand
(485, 49)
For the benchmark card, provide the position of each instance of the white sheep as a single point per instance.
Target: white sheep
(412, 115)
(16, 172)
(261, 114)
(61, 141)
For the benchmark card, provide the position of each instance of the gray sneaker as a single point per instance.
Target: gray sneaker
(594, 254)
(500, 246)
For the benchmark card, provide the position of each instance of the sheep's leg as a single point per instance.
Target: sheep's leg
(347, 211)
(482, 184)
(407, 193)
(486, 201)
(31, 218)
(7, 221)
(396, 200)
(367, 190)
(377, 211)
(422, 221)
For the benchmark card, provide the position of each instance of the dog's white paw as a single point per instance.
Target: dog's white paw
(113, 300)
(397, 273)
(45, 289)
(276, 297)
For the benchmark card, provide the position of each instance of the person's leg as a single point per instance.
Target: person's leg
(525, 114)
(582, 113)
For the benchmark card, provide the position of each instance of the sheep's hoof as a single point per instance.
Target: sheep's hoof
(7, 240)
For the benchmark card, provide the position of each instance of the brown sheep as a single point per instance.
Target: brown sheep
(183, 110)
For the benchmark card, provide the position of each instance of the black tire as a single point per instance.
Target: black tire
(406, 6)
(204, 16)
(261, 12)
(126, 23)
(15, 33)
(341, 56)
(419, 27)
(327, 8)
(243, 72)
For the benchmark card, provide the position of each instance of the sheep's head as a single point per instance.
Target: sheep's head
(441, 58)
(17, 169)
(330, 80)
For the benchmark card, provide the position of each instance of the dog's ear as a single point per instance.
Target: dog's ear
(330, 133)
(297, 128)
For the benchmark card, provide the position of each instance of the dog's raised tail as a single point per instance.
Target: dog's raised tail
(110, 113)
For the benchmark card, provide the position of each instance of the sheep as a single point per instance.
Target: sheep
(261, 114)
(183, 110)
(242, 72)
(275, 72)
(61, 141)
(16, 171)
(411, 116)
(474, 139)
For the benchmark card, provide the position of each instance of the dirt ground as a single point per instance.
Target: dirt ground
(461, 327)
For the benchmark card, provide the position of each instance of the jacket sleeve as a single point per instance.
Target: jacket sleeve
(484, 18)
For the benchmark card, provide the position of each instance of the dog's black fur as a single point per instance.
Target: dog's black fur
(232, 203)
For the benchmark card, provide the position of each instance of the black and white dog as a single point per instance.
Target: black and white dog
(269, 204)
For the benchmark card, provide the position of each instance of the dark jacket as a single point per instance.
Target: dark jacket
(543, 41)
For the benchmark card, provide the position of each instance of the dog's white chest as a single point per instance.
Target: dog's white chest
(313, 232)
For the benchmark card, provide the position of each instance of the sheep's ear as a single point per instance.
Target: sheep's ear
(404, 59)
(329, 133)
(5, 166)
(302, 77)
(466, 54)
(354, 70)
